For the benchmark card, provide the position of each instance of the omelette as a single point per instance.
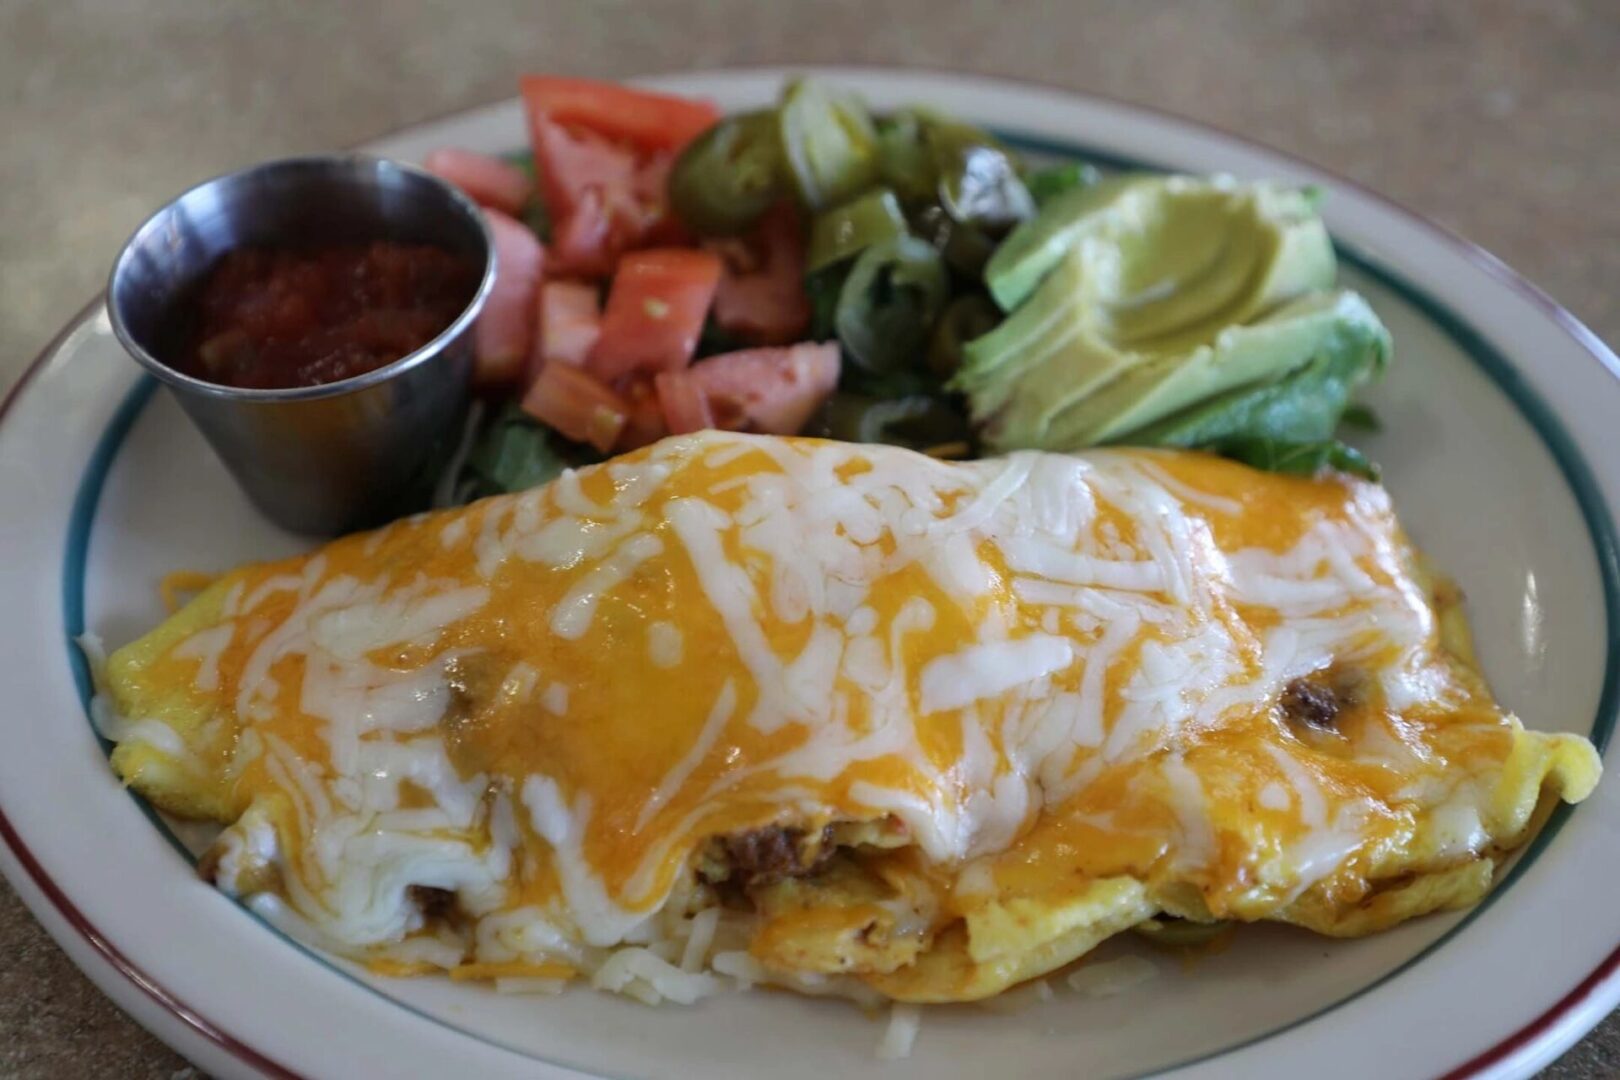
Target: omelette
(838, 718)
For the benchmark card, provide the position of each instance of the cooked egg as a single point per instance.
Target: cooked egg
(921, 727)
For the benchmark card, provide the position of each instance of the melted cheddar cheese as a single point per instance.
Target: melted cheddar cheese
(996, 711)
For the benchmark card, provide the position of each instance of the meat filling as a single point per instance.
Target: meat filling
(434, 903)
(1311, 703)
(761, 856)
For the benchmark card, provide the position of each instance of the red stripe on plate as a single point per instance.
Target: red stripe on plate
(53, 892)
(1541, 1024)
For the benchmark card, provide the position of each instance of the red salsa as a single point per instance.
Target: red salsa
(267, 318)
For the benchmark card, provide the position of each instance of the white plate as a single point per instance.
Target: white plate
(1500, 449)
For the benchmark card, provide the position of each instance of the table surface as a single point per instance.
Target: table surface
(1495, 118)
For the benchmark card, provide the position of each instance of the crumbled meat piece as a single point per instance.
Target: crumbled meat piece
(433, 902)
(1305, 701)
(764, 855)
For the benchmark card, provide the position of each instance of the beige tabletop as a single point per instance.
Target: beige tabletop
(1499, 119)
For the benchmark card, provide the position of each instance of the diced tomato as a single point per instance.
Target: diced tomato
(504, 335)
(580, 240)
(648, 120)
(603, 198)
(774, 391)
(588, 187)
(577, 405)
(572, 163)
(646, 423)
(761, 299)
(655, 311)
(684, 404)
(604, 171)
(651, 185)
(568, 320)
(488, 181)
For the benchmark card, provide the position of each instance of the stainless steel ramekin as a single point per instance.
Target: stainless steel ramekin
(315, 459)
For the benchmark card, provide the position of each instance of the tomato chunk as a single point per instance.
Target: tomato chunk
(646, 422)
(651, 186)
(588, 187)
(646, 119)
(571, 163)
(577, 405)
(761, 299)
(504, 335)
(603, 155)
(684, 404)
(774, 391)
(568, 320)
(488, 181)
(655, 311)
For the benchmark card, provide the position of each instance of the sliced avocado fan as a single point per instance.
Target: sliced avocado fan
(1344, 345)
(1143, 296)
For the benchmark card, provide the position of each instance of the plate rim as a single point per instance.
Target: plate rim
(1600, 981)
(102, 947)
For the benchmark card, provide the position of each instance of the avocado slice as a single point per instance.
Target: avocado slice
(1034, 249)
(1301, 406)
(1044, 355)
(1129, 292)
(1322, 324)
(1162, 227)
